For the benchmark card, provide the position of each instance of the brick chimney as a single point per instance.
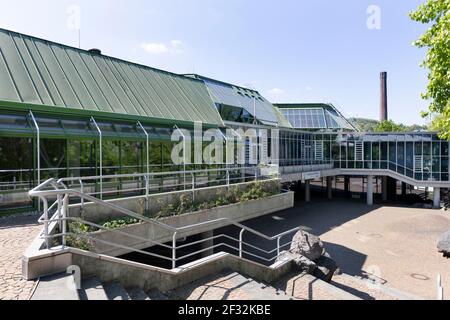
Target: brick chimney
(384, 99)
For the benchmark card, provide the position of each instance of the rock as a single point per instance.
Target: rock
(444, 244)
(303, 263)
(326, 268)
(307, 245)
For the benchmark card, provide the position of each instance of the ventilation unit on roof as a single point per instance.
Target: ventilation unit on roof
(95, 51)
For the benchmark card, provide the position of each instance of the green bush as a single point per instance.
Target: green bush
(76, 239)
(233, 195)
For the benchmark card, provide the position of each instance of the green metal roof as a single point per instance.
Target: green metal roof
(39, 72)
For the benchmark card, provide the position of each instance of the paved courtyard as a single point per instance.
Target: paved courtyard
(396, 245)
(16, 233)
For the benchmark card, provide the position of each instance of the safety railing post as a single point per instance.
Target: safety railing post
(174, 250)
(64, 218)
(228, 177)
(278, 246)
(147, 192)
(440, 289)
(193, 187)
(82, 191)
(60, 205)
(46, 218)
(241, 235)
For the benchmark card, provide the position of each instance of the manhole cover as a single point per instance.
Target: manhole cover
(420, 277)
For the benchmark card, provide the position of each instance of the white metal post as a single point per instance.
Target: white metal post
(46, 217)
(38, 152)
(147, 178)
(174, 250)
(184, 156)
(148, 148)
(193, 187)
(65, 208)
(241, 243)
(440, 289)
(101, 156)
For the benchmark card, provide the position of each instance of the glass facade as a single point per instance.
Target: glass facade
(419, 156)
(70, 147)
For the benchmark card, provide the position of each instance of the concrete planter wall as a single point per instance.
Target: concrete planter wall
(237, 212)
(96, 213)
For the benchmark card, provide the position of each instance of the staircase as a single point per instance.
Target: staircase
(225, 285)
(62, 287)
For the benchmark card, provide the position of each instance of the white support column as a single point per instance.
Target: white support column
(38, 153)
(437, 198)
(330, 188)
(100, 155)
(147, 146)
(184, 155)
(307, 191)
(370, 190)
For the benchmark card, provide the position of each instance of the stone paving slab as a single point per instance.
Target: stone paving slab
(228, 285)
(16, 233)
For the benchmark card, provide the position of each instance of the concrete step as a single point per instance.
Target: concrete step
(307, 287)
(368, 290)
(92, 289)
(115, 291)
(138, 294)
(228, 285)
(56, 287)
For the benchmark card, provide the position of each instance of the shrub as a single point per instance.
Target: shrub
(76, 239)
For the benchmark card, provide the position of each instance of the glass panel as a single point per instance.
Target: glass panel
(10, 124)
(16, 172)
(50, 126)
(16, 166)
(53, 158)
(78, 128)
(82, 159)
(111, 157)
(410, 155)
(132, 157)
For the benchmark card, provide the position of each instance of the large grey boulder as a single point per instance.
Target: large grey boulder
(444, 244)
(309, 255)
(302, 263)
(307, 245)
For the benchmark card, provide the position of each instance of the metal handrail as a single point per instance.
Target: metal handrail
(64, 194)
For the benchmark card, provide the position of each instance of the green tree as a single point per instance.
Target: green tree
(389, 126)
(436, 39)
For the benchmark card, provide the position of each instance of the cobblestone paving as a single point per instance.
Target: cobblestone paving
(16, 233)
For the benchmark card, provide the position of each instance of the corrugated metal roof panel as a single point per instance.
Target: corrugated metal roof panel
(41, 72)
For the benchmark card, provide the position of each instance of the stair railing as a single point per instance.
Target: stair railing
(52, 189)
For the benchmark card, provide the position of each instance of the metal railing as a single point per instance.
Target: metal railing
(57, 189)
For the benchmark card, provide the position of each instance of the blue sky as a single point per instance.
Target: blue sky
(289, 50)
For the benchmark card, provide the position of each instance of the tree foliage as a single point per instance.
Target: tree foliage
(436, 13)
(370, 125)
(390, 126)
